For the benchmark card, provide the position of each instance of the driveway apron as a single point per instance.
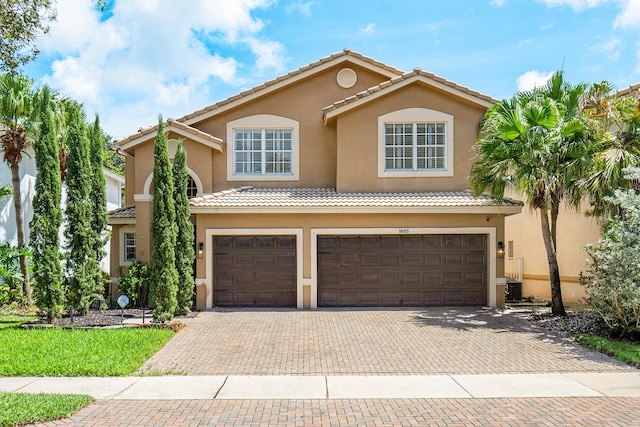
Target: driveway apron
(467, 341)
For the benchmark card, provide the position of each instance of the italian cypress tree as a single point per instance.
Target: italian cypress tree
(98, 197)
(81, 261)
(47, 216)
(164, 276)
(185, 254)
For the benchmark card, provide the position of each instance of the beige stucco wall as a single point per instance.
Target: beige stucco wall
(307, 222)
(574, 230)
(358, 142)
(302, 101)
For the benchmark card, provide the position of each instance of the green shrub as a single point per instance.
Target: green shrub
(135, 283)
(10, 276)
(612, 279)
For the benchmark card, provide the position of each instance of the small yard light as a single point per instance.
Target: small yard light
(500, 250)
(122, 300)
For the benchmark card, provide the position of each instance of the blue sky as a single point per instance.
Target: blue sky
(146, 57)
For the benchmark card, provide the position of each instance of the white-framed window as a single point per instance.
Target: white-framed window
(415, 146)
(263, 151)
(415, 142)
(129, 247)
(264, 147)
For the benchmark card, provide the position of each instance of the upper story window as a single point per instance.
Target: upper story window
(262, 151)
(415, 146)
(264, 148)
(129, 250)
(415, 142)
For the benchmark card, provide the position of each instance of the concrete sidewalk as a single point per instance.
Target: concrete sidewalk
(336, 387)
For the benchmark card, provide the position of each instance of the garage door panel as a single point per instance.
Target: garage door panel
(349, 260)
(391, 259)
(370, 260)
(474, 258)
(412, 298)
(414, 270)
(453, 259)
(433, 259)
(254, 271)
(453, 297)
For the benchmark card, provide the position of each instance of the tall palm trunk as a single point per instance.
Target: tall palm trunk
(557, 307)
(17, 204)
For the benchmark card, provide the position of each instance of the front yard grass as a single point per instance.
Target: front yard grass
(21, 408)
(626, 352)
(75, 352)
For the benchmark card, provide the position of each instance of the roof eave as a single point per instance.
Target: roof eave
(482, 210)
(279, 83)
(175, 127)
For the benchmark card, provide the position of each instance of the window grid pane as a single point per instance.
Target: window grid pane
(415, 146)
(263, 151)
(129, 246)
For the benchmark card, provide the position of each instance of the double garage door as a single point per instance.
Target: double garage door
(369, 270)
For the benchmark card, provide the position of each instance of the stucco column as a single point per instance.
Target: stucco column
(144, 214)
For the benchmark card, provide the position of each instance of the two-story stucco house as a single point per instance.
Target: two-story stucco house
(342, 183)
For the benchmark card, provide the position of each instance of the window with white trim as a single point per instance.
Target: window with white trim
(263, 151)
(264, 147)
(192, 188)
(129, 252)
(415, 146)
(415, 142)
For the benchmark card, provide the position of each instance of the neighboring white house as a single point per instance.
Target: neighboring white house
(28, 171)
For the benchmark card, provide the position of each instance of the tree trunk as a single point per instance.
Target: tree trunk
(557, 307)
(555, 208)
(17, 204)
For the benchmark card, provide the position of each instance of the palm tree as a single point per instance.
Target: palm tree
(533, 143)
(615, 128)
(18, 100)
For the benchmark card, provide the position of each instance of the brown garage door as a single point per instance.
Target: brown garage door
(404, 270)
(254, 271)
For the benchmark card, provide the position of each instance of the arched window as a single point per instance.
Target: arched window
(192, 188)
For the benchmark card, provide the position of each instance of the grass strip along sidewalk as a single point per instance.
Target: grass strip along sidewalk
(66, 352)
(22, 408)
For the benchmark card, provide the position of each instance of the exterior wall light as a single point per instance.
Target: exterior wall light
(500, 250)
(201, 249)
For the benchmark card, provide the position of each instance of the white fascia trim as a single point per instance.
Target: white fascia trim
(384, 91)
(264, 121)
(416, 115)
(209, 233)
(491, 250)
(218, 145)
(113, 175)
(504, 210)
(143, 197)
(286, 82)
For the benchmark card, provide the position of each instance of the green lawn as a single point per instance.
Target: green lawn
(21, 408)
(13, 320)
(75, 352)
(623, 351)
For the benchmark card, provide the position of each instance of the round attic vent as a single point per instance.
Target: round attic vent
(346, 78)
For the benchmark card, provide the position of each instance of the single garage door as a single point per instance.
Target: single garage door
(403, 270)
(254, 271)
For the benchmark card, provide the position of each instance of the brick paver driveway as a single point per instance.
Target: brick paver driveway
(369, 342)
(366, 342)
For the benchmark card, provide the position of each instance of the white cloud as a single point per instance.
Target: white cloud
(577, 5)
(609, 47)
(630, 15)
(147, 58)
(497, 3)
(301, 7)
(532, 79)
(370, 28)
